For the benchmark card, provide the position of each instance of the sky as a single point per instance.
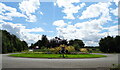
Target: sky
(67, 19)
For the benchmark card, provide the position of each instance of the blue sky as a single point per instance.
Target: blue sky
(88, 21)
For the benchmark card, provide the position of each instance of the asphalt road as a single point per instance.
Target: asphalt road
(16, 62)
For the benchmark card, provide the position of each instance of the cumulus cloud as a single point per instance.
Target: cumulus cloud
(113, 30)
(39, 29)
(114, 11)
(65, 3)
(59, 23)
(28, 7)
(90, 31)
(7, 13)
(91, 43)
(22, 32)
(95, 10)
(116, 1)
(31, 18)
(72, 32)
(68, 8)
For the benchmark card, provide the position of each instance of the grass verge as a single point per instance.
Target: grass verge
(34, 55)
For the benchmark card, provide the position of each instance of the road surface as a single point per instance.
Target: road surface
(17, 62)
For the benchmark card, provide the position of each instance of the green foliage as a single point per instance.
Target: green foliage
(57, 49)
(77, 44)
(41, 50)
(10, 43)
(83, 50)
(55, 42)
(44, 42)
(110, 44)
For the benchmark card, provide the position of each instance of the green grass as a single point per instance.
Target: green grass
(34, 55)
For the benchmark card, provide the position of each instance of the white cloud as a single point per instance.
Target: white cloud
(116, 1)
(70, 11)
(114, 11)
(113, 30)
(91, 43)
(3, 8)
(7, 13)
(21, 32)
(59, 23)
(66, 3)
(39, 29)
(88, 31)
(41, 13)
(5, 18)
(94, 25)
(68, 8)
(28, 7)
(72, 32)
(14, 14)
(95, 10)
(115, 21)
(50, 31)
(31, 18)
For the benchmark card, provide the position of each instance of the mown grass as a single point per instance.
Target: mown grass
(34, 55)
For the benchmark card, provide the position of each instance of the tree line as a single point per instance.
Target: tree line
(110, 44)
(10, 43)
(55, 42)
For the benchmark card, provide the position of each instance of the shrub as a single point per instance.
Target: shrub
(57, 49)
(70, 48)
(53, 50)
(83, 50)
(41, 50)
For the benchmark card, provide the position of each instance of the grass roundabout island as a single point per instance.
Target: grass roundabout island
(40, 55)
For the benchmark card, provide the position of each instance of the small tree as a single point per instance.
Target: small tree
(76, 43)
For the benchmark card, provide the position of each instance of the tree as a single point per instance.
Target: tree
(44, 41)
(110, 44)
(117, 44)
(76, 46)
(76, 43)
(63, 42)
(10, 43)
(103, 46)
(71, 42)
(25, 46)
(38, 43)
(31, 46)
(53, 43)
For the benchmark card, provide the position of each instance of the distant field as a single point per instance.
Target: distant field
(34, 55)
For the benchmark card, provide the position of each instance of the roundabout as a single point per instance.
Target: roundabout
(40, 55)
(18, 62)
